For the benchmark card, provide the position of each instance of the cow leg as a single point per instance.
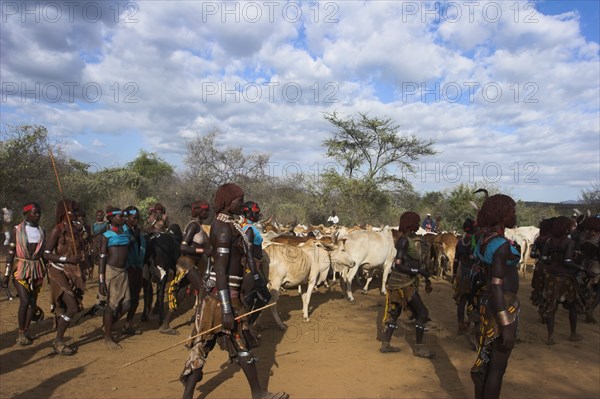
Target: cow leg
(522, 264)
(368, 281)
(436, 265)
(306, 299)
(387, 268)
(343, 284)
(274, 296)
(323, 278)
(334, 276)
(349, 278)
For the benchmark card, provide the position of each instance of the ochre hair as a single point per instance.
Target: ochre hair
(493, 210)
(408, 219)
(561, 226)
(546, 226)
(225, 195)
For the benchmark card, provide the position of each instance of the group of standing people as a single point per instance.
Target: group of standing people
(63, 256)
(496, 296)
(567, 270)
(223, 268)
(486, 283)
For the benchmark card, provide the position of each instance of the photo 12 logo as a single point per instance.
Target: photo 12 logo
(471, 172)
(269, 11)
(70, 11)
(469, 11)
(272, 92)
(469, 92)
(70, 92)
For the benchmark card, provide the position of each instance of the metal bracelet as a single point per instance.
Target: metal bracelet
(62, 259)
(503, 318)
(7, 272)
(497, 281)
(103, 255)
(222, 250)
(225, 302)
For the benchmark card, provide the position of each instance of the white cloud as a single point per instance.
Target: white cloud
(158, 78)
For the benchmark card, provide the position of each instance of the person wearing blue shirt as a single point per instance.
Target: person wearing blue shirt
(428, 224)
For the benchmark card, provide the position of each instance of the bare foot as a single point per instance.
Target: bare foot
(111, 345)
(575, 338)
(168, 331)
(61, 348)
(24, 339)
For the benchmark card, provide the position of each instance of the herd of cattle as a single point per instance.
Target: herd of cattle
(304, 256)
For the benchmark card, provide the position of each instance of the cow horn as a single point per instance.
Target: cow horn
(474, 205)
(482, 190)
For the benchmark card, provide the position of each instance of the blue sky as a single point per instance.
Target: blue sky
(509, 91)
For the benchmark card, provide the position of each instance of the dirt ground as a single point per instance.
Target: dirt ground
(334, 356)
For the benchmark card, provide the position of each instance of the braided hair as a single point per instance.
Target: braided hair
(407, 220)
(225, 195)
(494, 209)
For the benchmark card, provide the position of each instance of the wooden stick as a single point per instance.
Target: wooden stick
(63, 201)
(197, 335)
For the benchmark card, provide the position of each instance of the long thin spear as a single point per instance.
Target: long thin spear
(63, 201)
(195, 336)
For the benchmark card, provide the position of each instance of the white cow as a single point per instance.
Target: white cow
(525, 237)
(291, 266)
(369, 249)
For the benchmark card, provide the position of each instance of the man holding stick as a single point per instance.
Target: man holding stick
(223, 302)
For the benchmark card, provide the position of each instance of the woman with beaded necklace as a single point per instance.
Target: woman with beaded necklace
(25, 255)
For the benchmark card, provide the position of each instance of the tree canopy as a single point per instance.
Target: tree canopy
(367, 147)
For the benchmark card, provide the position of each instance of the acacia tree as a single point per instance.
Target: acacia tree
(367, 148)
